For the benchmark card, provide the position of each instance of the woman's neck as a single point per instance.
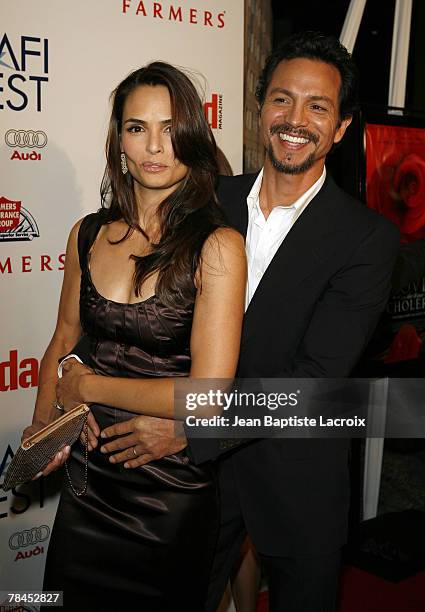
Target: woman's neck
(148, 201)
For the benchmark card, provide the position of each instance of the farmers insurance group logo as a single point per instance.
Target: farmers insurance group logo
(178, 12)
(26, 139)
(16, 223)
(24, 69)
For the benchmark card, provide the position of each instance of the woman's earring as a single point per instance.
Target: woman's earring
(124, 167)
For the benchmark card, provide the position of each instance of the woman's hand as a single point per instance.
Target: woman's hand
(55, 462)
(68, 395)
(93, 432)
(143, 439)
(68, 388)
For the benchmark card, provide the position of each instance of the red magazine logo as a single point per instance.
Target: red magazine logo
(214, 111)
(167, 11)
(16, 223)
(18, 373)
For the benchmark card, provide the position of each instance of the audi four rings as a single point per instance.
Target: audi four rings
(29, 537)
(26, 138)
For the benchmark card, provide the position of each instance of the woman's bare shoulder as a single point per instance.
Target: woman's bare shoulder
(223, 252)
(223, 240)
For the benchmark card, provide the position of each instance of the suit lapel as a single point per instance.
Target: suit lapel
(307, 245)
(238, 215)
(310, 241)
(232, 193)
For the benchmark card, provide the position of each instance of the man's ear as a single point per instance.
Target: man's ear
(339, 134)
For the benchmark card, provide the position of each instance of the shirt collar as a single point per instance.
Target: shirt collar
(253, 199)
(254, 195)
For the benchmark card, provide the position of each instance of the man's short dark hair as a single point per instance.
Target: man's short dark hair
(315, 46)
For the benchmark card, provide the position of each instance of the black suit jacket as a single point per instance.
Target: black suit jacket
(311, 316)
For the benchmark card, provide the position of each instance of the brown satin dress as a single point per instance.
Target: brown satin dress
(139, 539)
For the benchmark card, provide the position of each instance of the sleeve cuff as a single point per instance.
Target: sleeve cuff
(60, 366)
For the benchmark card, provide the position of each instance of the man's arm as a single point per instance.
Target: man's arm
(347, 313)
(339, 329)
(341, 325)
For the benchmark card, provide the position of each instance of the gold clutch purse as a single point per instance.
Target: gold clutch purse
(37, 450)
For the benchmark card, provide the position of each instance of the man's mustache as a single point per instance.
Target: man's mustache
(289, 129)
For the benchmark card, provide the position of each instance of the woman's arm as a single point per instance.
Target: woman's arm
(215, 337)
(65, 336)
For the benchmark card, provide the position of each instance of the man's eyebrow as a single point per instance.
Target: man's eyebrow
(324, 98)
(291, 94)
(143, 122)
(276, 90)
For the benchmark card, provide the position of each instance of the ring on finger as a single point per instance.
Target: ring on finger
(58, 406)
(134, 451)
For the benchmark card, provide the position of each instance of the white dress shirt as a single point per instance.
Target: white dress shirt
(264, 236)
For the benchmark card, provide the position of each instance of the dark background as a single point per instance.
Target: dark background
(372, 51)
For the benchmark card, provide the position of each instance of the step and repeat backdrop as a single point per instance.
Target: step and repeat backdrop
(59, 62)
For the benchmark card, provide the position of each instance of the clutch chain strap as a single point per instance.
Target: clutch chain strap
(86, 465)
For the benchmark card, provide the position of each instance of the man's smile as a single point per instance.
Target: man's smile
(293, 139)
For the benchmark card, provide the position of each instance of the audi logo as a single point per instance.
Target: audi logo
(29, 537)
(25, 138)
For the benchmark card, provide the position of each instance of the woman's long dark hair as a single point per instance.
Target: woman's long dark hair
(191, 212)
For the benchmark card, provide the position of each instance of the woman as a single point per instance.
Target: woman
(155, 283)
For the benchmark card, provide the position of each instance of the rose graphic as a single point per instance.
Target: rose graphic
(405, 345)
(395, 160)
(409, 186)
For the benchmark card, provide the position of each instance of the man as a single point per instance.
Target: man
(319, 276)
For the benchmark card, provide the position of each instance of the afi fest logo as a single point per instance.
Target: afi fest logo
(26, 139)
(214, 111)
(16, 223)
(168, 11)
(24, 70)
